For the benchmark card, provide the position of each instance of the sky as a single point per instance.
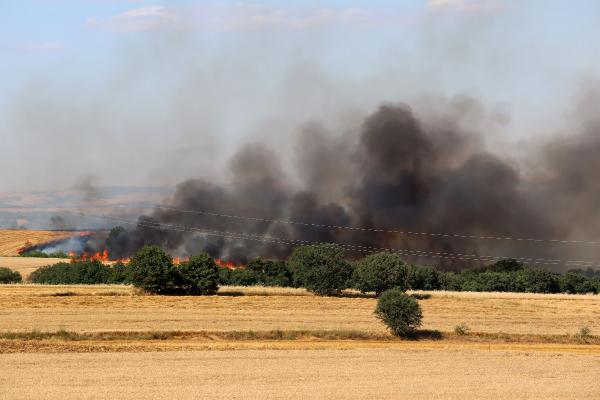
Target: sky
(150, 93)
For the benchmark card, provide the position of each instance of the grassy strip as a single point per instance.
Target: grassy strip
(298, 335)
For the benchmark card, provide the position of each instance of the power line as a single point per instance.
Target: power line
(379, 230)
(352, 247)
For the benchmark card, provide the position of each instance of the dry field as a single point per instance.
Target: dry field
(26, 265)
(118, 343)
(11, 240)
(305, 374)
(110, 308)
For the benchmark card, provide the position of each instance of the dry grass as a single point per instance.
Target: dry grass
(12, 240)
(390, 373)
(26, 265)
(119, 308)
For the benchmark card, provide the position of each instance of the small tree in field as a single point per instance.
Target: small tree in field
(399, 311)
(380, 272)
(322, 269)
(200, 275)
(152, 271)
(9, 276)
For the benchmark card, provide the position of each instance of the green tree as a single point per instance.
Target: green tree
(536, 281)
(571, 282)
(152, 270)
(9, 276)
(400, 312)
(200, 275)
(380, 272)
(425, 278)
(321, 269)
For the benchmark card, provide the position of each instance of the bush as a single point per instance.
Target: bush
(200, 275)
(399, 311)
(152, 271)
(270, 273)
(321, 269)
(461, 329)
(9, 276)
(81, 272)
(536, 281)
(425, 278)
(380, 272)
(571, 282)
(39, 254)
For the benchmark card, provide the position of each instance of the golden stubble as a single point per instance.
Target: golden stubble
(117, 307)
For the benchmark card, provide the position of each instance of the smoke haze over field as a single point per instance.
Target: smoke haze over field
(429, 116)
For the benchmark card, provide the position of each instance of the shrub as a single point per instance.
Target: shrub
(461, 329)
(536, 281)
(380, 272)
(571, 282)
(321, 269)
(9, 276)
(200, 275)
(506, 265)
(399, 311)
(152, 271)
(39, 254)
(270, 273)
(425, 278)
(81, 272)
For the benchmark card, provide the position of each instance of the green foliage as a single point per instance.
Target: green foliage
(270, 273)
(380, 272)
(425, 278)
(9, 276)
(571, 282)
(536, 281)
(321, 269)
(39, 254)
(506, 265)
(152, 271)
(399, 311)
(200, 275)
(81, 272)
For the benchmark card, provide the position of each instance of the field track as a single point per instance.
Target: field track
(12, 240)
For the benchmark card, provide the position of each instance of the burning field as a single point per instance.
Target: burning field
(14, 242)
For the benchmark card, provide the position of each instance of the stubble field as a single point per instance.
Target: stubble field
(11, 240)
(104, 342)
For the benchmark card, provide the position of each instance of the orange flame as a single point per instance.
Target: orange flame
(228, 264)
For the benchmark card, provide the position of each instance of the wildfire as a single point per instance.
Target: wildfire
(98, 256)
(103, 257)
(228, 264)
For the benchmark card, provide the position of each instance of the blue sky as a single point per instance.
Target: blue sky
(98, 78)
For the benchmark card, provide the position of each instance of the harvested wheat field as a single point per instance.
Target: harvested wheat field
(306, 374)
(109, 308)
(26, 265)
(13, 240)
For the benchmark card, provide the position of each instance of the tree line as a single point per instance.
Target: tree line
(321, 269)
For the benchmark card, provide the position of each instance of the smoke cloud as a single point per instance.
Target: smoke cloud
(400, 171)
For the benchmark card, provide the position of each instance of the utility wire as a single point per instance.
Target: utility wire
(353, 247)
(380, 230)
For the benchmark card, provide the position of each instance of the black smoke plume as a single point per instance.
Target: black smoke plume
(434, 181)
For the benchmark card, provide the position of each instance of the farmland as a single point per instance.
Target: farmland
(287, 343)
(106, 308)
(12, 240)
